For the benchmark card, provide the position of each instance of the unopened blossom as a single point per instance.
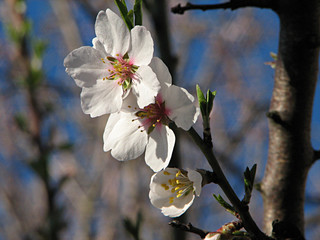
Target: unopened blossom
(135, 130)
(116, 64)
(173, 190)
(224, 236)
(214, 236)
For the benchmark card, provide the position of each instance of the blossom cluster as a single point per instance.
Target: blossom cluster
(120, 76)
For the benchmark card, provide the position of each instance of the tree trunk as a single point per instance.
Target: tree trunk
(290, 151)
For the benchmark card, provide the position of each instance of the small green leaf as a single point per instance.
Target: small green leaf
(133, 228)
(224, 204)
(21, 122)
(67, 146)
(274, 55)
(249, 176)
(124, 13)
(210, 99)
(137, 8)
(130, 16)
(39, 47)
(202, 101)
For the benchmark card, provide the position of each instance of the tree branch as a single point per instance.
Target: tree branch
(248, 222)
(290, 150)
(232, 5)
(316, 155)
(188, 228)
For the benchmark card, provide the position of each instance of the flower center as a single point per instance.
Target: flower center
(154, 115)
(121, 69)
(180, 185)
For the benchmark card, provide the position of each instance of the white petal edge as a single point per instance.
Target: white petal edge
(98, 45)
(112, 32)
(85, 66)
(162, 72)
(196, 178)
(180, 104)
(173, 211)
(141, 48)
(125, 140)
(146, 87)
(159, 148)
(112, 121)
(102, 98)
(130, 103)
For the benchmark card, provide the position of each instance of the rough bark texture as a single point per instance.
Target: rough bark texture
(290, 151)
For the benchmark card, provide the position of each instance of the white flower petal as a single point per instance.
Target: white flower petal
(84, 65)
(162, 72)
(180, 208)
(159, 148)
(146, 87)
(130, 103)
(196, 178)
(172, 203)
(141, 49)
(180, 104)
(125, 140)
(112, 121)
(112, 33)
(102, 98)
(159, 178)
(98, 45)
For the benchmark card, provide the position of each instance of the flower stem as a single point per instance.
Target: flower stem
(242, 209)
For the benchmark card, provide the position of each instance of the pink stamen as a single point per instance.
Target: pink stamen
(121, 69)
(154, 115)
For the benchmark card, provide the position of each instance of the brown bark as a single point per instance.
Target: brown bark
(290, 151)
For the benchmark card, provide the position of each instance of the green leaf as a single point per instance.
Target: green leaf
(124, 13)
(137, 8)
(66, 146)
(249, 176)
(17, 35)
(21, 122)
(39, 47)
(133, 228)
(224, 204)
(130, 16)
(202, 102)
(210, 99)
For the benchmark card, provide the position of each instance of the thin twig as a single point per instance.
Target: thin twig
(232, 5)
(316, 155)
(188, 228)
(243, 211)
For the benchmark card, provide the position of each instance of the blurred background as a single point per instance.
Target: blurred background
(55, 180)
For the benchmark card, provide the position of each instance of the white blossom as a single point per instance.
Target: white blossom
(117, 63)
(173, 190)
(134, 130)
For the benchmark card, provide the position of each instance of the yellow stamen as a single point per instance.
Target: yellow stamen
(171, 200)
(178, 173)
(166, 173)
(165, 186)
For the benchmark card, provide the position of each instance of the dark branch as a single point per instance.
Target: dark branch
(316, 155)
(188, 228)
(275, 116)
(232, 5)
